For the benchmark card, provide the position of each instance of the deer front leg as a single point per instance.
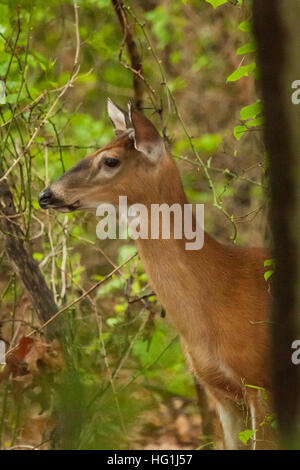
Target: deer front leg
(265, 436)
(231, 416)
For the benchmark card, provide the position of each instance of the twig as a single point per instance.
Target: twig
(110, 375)
(68, 85)
(124, 358)
(64, 260)
(148, 366)
(15, 44)
(171, 98)
(136, 63)
(53, 267)
(74, 302)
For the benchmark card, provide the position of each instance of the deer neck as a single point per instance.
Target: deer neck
(179, 277)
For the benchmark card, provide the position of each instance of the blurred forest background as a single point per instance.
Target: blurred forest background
(116, 378)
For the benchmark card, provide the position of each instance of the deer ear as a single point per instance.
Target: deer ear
(146, 138)
(118, 117)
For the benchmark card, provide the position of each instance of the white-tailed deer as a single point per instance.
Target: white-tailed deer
(216, 297)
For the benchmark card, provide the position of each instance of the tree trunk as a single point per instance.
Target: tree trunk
(24, 265)
(276, 27)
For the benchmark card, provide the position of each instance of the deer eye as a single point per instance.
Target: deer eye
(111, 162)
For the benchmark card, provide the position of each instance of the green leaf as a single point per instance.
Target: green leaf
(245, 26)
(268, 274)
(246, 48)
(12, 98)
(120, 308)
(242, 71)
(39, 139)
(208, 143)
(239, 131)
(175, 57)
(256, 122)
(125, 252)
(269, 262)
(178, 83)
(112, 321)
(251, 111)
(160, 19)
(216, 3)
(38, 256)
(256, 72)
(269, 418)
(35, 205)
(244, 436)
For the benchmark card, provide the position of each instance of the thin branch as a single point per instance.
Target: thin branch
(74, 302)
(65, 88)
(136, 63)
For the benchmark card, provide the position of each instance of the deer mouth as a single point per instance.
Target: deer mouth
(48, 200)
(66, 208)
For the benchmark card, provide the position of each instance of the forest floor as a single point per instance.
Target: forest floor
(175, 425)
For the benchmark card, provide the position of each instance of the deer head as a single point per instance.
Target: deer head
(129, 165)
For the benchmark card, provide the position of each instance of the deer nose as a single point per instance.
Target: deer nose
(45, 198)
